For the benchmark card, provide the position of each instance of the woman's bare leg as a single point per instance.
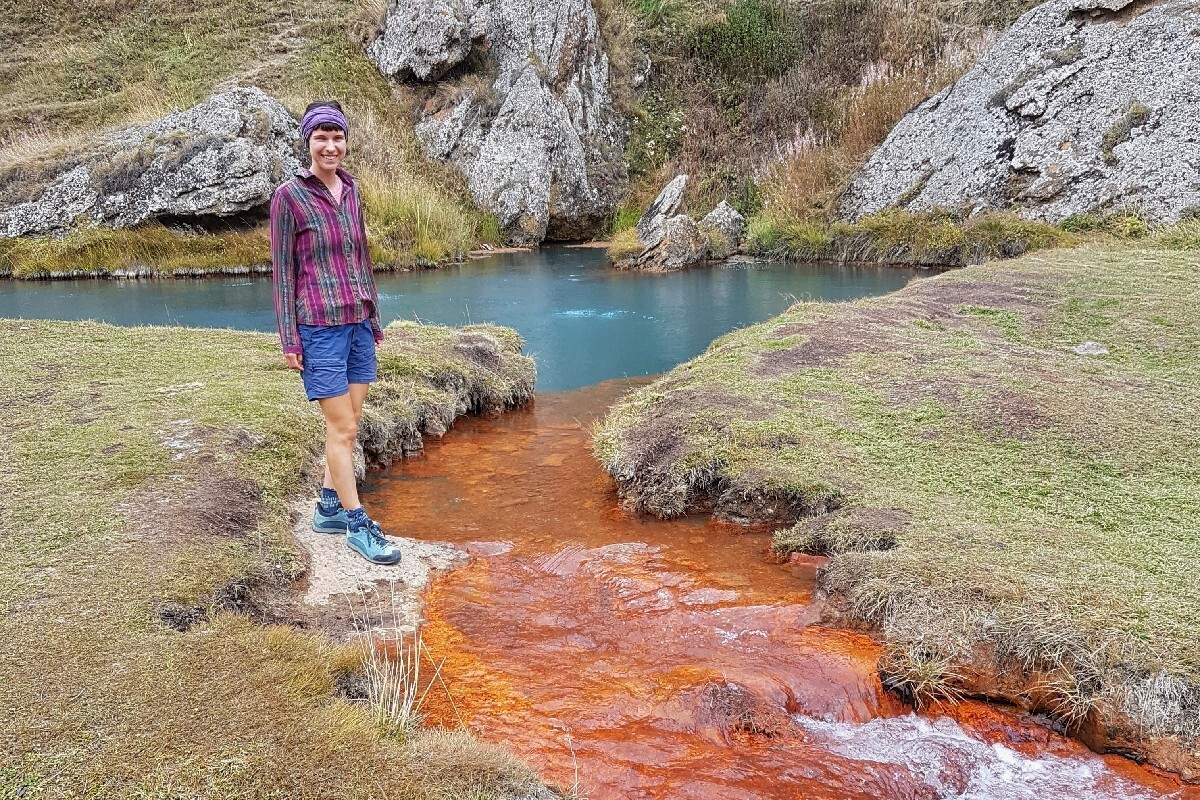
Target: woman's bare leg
(358, 396)
(341, 431)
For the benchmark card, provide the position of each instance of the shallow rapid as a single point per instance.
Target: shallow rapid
(651, 659)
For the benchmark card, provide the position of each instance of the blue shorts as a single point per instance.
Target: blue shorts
(336, 356)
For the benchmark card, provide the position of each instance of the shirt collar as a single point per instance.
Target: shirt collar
(347, 179)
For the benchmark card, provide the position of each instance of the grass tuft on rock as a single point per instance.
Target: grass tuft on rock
(1041, 503)
(144, 607)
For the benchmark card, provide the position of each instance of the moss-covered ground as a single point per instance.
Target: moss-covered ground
(1001, 463)
(147, 636)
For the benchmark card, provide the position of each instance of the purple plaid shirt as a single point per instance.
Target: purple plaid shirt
(321, 266)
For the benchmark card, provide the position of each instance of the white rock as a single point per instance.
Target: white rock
(541, 147)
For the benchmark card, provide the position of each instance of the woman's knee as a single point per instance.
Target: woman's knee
(342, 431)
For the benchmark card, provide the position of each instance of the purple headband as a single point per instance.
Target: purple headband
(321, 115)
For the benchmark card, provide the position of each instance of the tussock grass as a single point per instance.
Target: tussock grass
(901, 237)
(74, 69)
(150, 248)
(625, 244)
(1049, 498)
(152, 470)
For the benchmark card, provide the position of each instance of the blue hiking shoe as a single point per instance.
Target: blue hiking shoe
(366, 538)
(337, 522)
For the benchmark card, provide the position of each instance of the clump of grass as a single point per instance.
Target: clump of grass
(153, 248)
(392, 658)
(935, 238)
(1123, 224)
(1180, 236)
(410, 223)
(624, 245)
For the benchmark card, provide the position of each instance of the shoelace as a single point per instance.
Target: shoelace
(376, 534)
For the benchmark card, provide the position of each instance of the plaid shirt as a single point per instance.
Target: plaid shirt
(321, 267)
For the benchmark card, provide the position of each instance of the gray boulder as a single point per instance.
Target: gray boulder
(222, 157)
(535, 131)
(424, 40)
(670, 239)
(678, 243)
(669, 203)
(1081, 106)
(725, 228)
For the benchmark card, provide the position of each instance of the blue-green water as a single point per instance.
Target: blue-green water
(583, 321)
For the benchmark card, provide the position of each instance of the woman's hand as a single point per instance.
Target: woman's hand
(294, 360)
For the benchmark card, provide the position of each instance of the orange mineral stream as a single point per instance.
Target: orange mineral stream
(637, 658)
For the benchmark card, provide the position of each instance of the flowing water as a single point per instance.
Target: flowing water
(651, 659)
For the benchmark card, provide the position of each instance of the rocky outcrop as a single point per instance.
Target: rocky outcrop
(1081, 106)
(220, 158)
(669, 239)
(669, 203)
(677, 243)
(529, 120)
(425, 40)
(724, 227)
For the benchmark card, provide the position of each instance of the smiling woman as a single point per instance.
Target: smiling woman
(328, 312)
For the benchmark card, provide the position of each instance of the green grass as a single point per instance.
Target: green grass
(154, 467)
(902, 237)
(115, 63)
(1040, 505)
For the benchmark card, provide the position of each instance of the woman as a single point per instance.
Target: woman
(328, 311)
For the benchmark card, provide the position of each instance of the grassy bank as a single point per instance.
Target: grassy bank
(1017, 518)
(72, 69)
(148, 475)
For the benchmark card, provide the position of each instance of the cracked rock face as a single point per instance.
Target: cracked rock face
(534, 131)
(222, 157)
(1081, 106)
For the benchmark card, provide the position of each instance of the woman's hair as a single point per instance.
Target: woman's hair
(325, 126)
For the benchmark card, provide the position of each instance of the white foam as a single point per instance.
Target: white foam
(960, 767)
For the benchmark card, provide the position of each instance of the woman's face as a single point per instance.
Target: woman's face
(327, 149)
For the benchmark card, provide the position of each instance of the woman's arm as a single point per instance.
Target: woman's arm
(283, 272)
(364, 250)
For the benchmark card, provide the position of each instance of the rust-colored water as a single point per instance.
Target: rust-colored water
(651, 659)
